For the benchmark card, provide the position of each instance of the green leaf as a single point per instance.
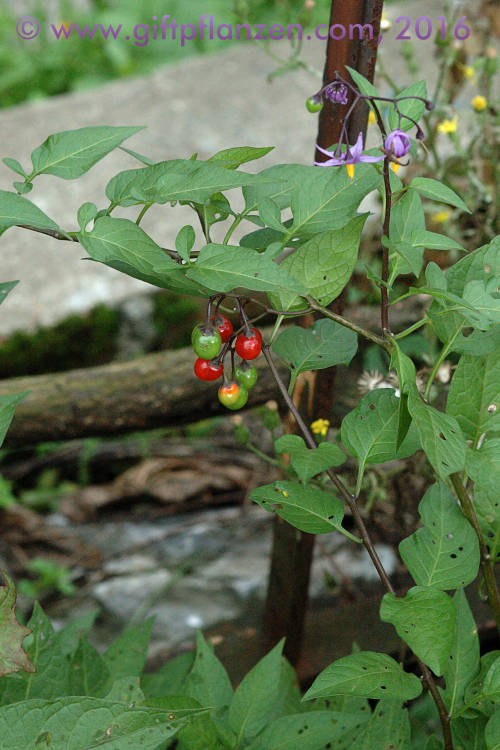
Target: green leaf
(208, 681)
(16, 210)
(474, 389)
(127, 654)
(118, 189)
(474, 692)
(407, 218)
(270, 213)
(232, 158)
(181, 180)
(435, 241)
(86, 213)
(305, 507)
(260, 239)
(125, 689)
(5, 288)
(84, 723)
(425, 619)
(463, 664)
(184, 242)
(389, 725)
(468, 733)
(223, 268)
(14, 165)
(444, 553)
(12, 656)
(278, 183)
(169, 679)
(436, 191)
(414, 108)
(255, 699)
(329, 197)
(307, 462)
(7, 407)
(487, 507)
(492, 732)
(73, 152)
(366, 674)
(435, 276)
(124, 246)
(363, 84)
(491, 686)
(140, 157)
(325, 344)
(324, 264)
(311, 730)
(483, 466)
(88, 672)
(370, 431)
(440, 437)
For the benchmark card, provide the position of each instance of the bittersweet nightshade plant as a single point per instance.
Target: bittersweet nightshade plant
(299, 253)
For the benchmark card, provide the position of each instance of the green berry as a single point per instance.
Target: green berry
(206, 341)
(313, 105)
(246, 374)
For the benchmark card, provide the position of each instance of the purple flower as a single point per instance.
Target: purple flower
(349, 158)
(398, 143)
(336, 92)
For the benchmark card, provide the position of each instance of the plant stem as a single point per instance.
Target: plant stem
(411, 329)
(351, 502)
(486, 562)
(143, 211)
(348, 324)
(384, 302)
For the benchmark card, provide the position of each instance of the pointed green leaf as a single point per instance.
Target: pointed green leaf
(483, 466)
(208, 681)
(435, 241)
(366, 674)
(305, 507)
(324, 264)
(73, 152)
(440, 437)
(474, 395)
(362, 83)
(7, 407)
(86, 213)
(169, 679)
(328, 197)
(325, 344)
(14, 165)
(436, 191)
(306, 462)
(311, 730)
(12, 656)
(232, 158)
(407, 218)
(5, 288)
(127, 654)
(184, 242)
(370, 431)
(223, 268)
(255, 699)
(463, 663)
(414, 108)
(88, 672)
(444, 553)
(425, 619)
(16, 210)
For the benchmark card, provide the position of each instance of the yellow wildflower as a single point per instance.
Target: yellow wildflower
(479, 103)
(448, 126)
(385, 23)
(468, 71)
(320, 427)
(441, 217)
(372, 118)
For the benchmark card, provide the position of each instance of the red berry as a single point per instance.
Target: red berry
(249, 347)
(224, 326)
(206, 369)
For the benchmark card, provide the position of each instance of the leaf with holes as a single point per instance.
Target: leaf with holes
(370, 431)
(305, 507)
(440, 436)
(483, 466)
(487, 507)
(308, 462)
(463, 662)
(389, 727)
(474, 395)
(366, 674)
(444, 553)
(325, 344)
(311, 730)
(425, 620)
(324, 264)
(257, 696)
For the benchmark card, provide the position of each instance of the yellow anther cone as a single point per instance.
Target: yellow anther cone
(350, 170)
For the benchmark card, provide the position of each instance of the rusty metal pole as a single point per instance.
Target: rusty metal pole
(292, 552)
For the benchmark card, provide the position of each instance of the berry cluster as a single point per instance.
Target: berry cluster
(212, 341)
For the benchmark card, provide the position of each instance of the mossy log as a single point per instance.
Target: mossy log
(157, 390)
